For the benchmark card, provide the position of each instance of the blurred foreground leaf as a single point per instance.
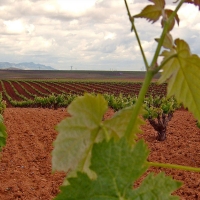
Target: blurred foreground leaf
(182, 73)
(78, 133)
(3, 134)
(118, 166)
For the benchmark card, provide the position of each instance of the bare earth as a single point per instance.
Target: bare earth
(25, 166)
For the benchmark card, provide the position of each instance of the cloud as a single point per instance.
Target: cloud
(85, 34)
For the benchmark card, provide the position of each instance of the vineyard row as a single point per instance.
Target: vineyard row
(47, 93)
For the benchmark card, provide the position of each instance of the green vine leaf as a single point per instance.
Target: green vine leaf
(118, 166)
(152, 186)
(3, 134)
(152, 12)
(182, 74)
(168, 42)
(78, 133)
(116, 126)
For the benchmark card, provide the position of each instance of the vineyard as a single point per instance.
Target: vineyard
(88, 133)
(31, 133)
(43, 93)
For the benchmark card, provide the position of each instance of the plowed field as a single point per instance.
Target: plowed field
(25, 166)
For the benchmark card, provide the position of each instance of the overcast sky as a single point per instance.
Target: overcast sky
(85, 34)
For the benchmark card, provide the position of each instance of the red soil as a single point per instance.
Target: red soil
(38, 87)
(29, 88)
(11, 92)
(25, 166)
(20, 90)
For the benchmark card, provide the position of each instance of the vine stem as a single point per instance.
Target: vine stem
(164, 62)
(150, 70)
(163, 35)
(173, 166)
(139, 103)
(133, 28)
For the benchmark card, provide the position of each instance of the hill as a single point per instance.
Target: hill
(24, 66)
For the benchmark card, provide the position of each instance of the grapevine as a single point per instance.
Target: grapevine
(104, 157)
(159, 111)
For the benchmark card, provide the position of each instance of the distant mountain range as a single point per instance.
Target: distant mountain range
(24, 66)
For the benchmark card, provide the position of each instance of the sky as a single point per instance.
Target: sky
(85, 34)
